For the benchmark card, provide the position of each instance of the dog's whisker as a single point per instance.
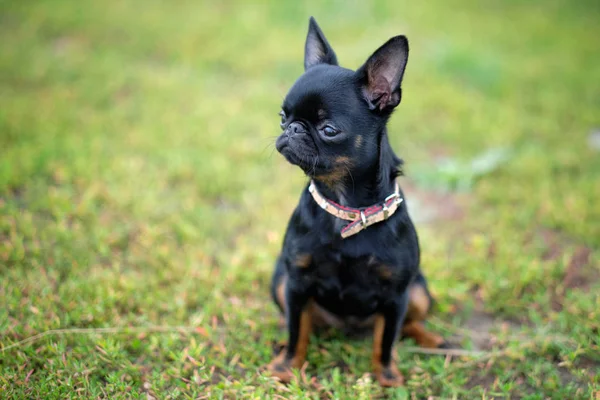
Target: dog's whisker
(314, 169)
(271, 144)
(270, 137)
(351, 177)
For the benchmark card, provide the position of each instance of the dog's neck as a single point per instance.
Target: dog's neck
(356, 193)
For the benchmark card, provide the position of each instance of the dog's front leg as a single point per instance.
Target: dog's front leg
(299, 309)
(385, 333)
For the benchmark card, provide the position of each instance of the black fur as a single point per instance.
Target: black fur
(354, 166)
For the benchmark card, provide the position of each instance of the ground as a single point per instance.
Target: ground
(139, 188)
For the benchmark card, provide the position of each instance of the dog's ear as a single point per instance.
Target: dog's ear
(381, 75)
(317, 50)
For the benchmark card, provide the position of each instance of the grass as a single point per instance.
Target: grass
(139, 188)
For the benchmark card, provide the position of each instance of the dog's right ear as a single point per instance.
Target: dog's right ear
(317, 50)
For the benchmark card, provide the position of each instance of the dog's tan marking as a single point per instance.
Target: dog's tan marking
(303, 260)
(280, 292)
(424, 338)
(281, 366)
(321, 114)
(279, 369)
(390, 376)
(304, 336)
(418, 303)
(338, 173)
(385, 271)
(378, 328)
(387, 375)
(333, 178)
(343, 160)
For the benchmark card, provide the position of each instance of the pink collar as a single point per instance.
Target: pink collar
(361, 217)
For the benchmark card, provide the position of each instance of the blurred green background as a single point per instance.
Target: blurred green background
(139, 187)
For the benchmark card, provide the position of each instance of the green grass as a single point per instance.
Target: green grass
(139, 187)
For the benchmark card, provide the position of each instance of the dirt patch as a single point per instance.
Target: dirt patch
(481, 329)
(481, 325)
(579, 272)
(482, 380)
(578, 275)
(590, 366)
(428, 206)
(552, 244)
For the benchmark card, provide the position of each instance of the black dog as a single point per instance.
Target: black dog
(350, 256)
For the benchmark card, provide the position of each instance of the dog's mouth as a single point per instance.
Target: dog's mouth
(292, 157)
(309, 163)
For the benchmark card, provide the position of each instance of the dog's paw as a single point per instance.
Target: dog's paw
(281, 371)
(280, 368)
(390, 377)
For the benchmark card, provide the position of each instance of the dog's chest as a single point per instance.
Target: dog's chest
(351, 286)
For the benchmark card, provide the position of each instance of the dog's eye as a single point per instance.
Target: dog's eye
(283, 118)
(330, 131)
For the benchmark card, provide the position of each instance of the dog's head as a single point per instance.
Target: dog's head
(333, 118)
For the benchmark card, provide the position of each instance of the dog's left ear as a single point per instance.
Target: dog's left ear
(317, 50)
(382, 74)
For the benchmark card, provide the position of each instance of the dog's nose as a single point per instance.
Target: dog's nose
(295, 128)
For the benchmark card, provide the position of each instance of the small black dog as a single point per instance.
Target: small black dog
(350, 256)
